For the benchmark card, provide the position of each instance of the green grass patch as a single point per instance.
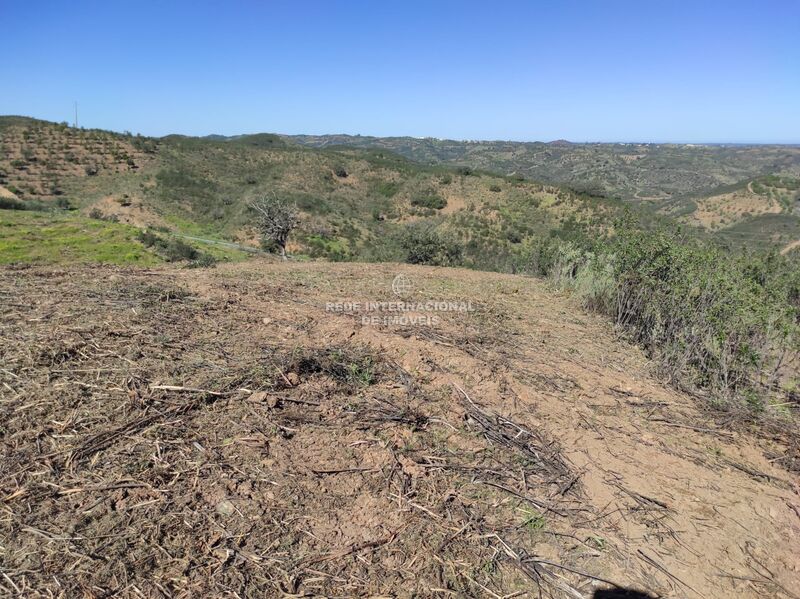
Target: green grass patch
(387, 189)
(27, 237)
(189, 227)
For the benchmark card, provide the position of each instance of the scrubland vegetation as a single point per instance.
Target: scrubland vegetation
(719, 322)
(718, 312)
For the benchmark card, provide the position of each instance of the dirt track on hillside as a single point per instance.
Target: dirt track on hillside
(186, 433)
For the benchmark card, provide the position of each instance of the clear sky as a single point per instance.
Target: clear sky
(604, 70)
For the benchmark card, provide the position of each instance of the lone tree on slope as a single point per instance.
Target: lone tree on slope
(275, 220)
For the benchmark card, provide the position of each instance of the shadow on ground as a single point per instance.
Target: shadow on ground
(620, 593)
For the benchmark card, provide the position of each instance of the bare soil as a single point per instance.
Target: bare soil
(131, 210)
(4, 193)
(191, 433)
(790, 246)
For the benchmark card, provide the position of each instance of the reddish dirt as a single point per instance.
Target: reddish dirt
(185, 433)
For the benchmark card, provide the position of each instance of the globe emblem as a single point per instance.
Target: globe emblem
(401, 285)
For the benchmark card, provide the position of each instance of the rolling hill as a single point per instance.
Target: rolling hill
(630, 171)
(355, 190)
(354, 202)
(674, 180)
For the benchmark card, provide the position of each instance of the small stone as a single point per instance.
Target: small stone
(266, 320)
(258, 396)
(222, 554)
(225, 508)
(293, 379)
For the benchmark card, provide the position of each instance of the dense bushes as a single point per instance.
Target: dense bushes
(37, 205)
(430, 200)
(714, 321)
(175, 250)
(424, 244)
(11, 204)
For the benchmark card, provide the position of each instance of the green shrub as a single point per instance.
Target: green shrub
(312, 204)
(432, 201)
(175, 250)
(715, 321)
(387, 189)
(596, 283)
(11, 204)
(424, 244)
(203, 261)
(542, 254)
(148, 238)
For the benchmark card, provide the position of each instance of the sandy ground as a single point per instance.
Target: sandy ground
(240, 432)
(5, 193)
(789, 247)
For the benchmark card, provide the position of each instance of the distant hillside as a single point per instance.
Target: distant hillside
(39, 160)
(355, 202)
(630, 171)
(669, 179)
(358, 193)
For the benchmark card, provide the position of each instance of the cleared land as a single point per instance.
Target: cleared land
(220, 433)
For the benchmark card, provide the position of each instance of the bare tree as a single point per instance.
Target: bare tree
(276, 218)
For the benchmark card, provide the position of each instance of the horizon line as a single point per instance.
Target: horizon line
(432, 137)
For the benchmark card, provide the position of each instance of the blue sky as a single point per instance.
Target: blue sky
(584, 71)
